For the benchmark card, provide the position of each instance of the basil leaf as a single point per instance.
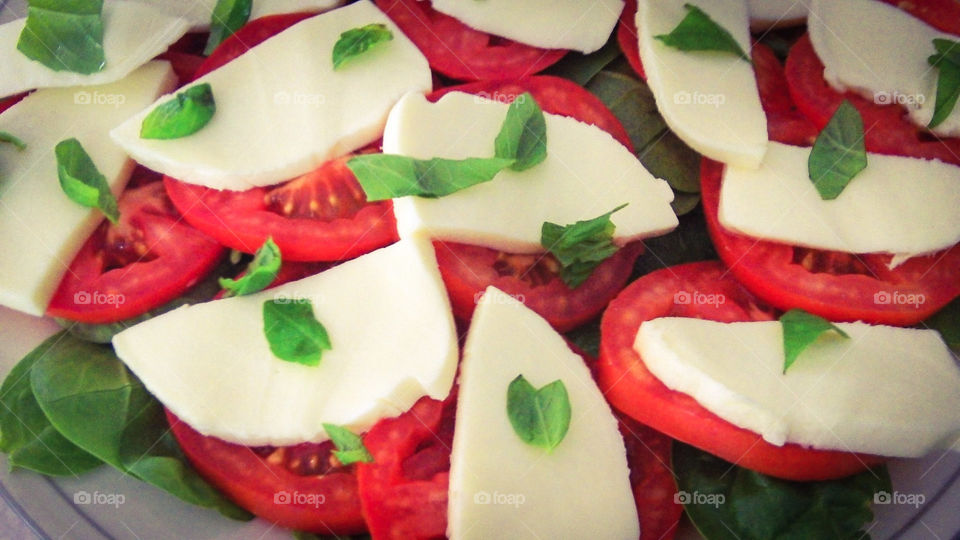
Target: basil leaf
(82, 182)
(350, 448)
(726, 502)
(260, 273)
(227, 17)
(10, 138)
(580, 247)
(947, 60)
(523, 135)
(184, 114)
(800, 330)
(293, 332)
(581, 68)
(64, 35)
(26, 435)
(388, 176)
(838, 154)
(357, 41)
(698, 32)
(539, 417)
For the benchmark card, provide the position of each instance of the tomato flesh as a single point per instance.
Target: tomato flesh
(248, 36)
(627, 37)
(651, 479)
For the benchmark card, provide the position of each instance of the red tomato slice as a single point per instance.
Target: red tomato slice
(944, 15)
(460, 52)
(250, 35)
(703, 290)
(649, 455)
(297, 487)
(11, 101)
(627, 37)
(149, 258)
(785, 122)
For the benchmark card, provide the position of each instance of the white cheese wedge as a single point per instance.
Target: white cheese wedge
(886, 390)
(586, 173)
(389, 323)
(281, 108)
(501, 487)
(41, 230)
(549, 24)
(880, 52)
(766, 14)
(905, 206)
(133, 33)
(710, 100)
(198, 12)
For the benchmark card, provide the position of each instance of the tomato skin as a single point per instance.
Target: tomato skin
(627, 37)
(631, 388)
(785, 122)
(250, 35)
(648, 454)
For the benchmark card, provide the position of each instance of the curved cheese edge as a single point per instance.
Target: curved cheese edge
(133, 33)
(767, 14)
(393, 337)
(548, 24)
(500, 487)
(279, 116)
(586, 174)
(886, 391)
(710, 100)
(880, 52)
(900, 205)
(198, 12)
(41, 230)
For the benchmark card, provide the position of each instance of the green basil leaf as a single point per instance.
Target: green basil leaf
(227, 17)
(350, 448)
(10, 138)
(838, 154)
(357, 41)
(698, 32)
(64, 35)
(581, 68)
(260, 273)
(82, 182)
(293, 332)
(580, 247)
(184, 114)
(523, 135)
(947, 322)
(947, 60)
(539, 417)
(388, 176)
(800, 330)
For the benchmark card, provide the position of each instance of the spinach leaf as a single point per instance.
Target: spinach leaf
(947, 322)
(64, 36)
(580, 68)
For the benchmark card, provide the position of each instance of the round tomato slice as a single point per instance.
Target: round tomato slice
(654, 487)
(631, 388)
(785, 122)
(250, 35)
(460, 52)
(627, 37)
(146, 260)
(300, 487)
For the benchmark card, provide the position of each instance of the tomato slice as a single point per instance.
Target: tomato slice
(785, 122)
(250, 35)
(460, 52)
(146, 260)
(648, 455)
(630, 387)
(627, 37)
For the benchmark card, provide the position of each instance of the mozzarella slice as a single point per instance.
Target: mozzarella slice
(887, 391)
(500, 487)
(393, 340)
(133, 33)
(549, 24)
(282, 110)
(880, 52)
(41, 230)
(766, 14)
(586, 173)
(710, 100)
(899, 205)
(198, 12)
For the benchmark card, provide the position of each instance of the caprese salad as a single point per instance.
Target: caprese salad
(361, 268)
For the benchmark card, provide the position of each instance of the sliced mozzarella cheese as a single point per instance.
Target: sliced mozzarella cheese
(500, 487)
(549, 24)
(133, 33)
(880, 52)
(198, 12)
(393, 340)
(281, 108)
(586, 173)
(41, 230)
(899, 205)
(885, 390)
(710, 100)
(766, 14)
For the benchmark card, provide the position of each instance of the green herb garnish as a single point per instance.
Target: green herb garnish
(350, 448)
(800, 330)
(293, 332)
(523, 135)
(698, 32)
(9, 138)
(65, 35)
(357, 41)
(838, 154)
(580, 247)
(259, 274)
(947, 60)
(184, 114)
(82, 182)
(540, 417)
(228, 16)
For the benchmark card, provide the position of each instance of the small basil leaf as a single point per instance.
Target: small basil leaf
(698, 32)
(800, 330)
(388, 176)
(65, 36)
(227, 17)
(523, 135)
(541, 417)
(947, 60)
(357, 41)
(184, 114)
(10, 138)
(260, 273)
(82, 182)
(580, 247)
(350, 448)
(838, 154)
(293, 332)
